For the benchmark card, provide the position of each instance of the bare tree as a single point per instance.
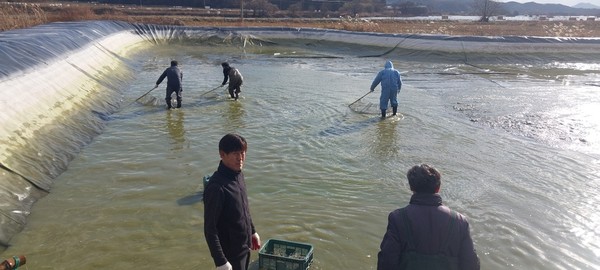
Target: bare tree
(353, 8)
(261, 8)
(295, 10)
(486, 9)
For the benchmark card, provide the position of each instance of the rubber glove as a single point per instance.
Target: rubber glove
(372, 90)
(226, 266)
(255, 241)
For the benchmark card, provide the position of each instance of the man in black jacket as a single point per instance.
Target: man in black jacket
(228, 226)
(426, 234)
(174, 83)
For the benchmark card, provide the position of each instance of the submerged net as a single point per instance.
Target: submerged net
(152, 101)
(365, 108)
(215, 92)
(368, 104)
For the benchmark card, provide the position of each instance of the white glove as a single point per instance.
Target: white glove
(256, 244)
(226, 266)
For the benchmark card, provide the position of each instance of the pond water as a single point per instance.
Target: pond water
(517, 144)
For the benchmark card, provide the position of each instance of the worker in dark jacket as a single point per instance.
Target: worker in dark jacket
(426, 227)
(174, 83)
(235, 80)
(228, 227)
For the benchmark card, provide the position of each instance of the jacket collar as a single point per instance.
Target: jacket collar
(226, 171)
(426, 199)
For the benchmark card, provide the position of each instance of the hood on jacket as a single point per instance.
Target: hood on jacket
(389, 64)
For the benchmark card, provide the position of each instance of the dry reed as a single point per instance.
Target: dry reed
(23, 15)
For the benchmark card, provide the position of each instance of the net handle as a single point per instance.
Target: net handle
(360, 98)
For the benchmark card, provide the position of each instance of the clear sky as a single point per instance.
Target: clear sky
(564, 2)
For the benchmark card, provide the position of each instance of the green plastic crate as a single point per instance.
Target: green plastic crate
(284, 255)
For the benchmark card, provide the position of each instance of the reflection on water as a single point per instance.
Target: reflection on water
(386, 143)
(320, 173)
(175, 127)
(235, 113)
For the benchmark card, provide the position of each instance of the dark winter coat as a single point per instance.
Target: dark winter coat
(174, 78)
(429, 221)
(228, 226)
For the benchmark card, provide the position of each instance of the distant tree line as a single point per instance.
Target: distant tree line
(324, 8)
(333, 8)
(280, 4)
(266, 8)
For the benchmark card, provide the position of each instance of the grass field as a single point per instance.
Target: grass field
(20, 15)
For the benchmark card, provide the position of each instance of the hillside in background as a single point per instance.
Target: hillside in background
(532, 8)
(465, 7)
(586, 5)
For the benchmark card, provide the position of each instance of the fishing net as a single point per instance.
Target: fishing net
(215, 93)
(152, 101)
(367, 104)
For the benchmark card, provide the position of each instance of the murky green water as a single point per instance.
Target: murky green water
(518, 150)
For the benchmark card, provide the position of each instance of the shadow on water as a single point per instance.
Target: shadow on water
(197, 196)
(191, 199)
(346, 126)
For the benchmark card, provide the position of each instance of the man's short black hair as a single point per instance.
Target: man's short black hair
(174, 63)
(224, 64)
(232, 142)
(424, 179)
